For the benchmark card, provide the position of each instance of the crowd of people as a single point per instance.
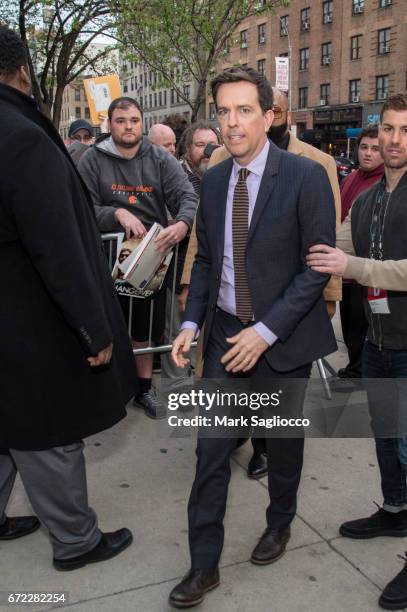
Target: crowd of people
(258, 277)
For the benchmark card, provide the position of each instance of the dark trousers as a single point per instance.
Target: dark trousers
(207, 502)
(388, 411)
(354, 326)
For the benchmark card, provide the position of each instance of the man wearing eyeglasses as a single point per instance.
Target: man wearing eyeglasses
(80, 137)
(81, 131)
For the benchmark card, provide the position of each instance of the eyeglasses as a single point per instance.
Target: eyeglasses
(278, 112)
(82, 138)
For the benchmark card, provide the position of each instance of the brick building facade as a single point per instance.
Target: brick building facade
(347, 56)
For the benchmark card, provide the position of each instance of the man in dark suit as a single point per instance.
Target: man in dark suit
(264, 312)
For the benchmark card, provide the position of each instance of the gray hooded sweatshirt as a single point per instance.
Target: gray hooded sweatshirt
(145, 185)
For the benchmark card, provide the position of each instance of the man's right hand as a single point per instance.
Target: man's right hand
(182, 298)
(130, 223)
(182, 344)
(102, 358)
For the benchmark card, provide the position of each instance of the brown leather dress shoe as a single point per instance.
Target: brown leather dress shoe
(18, 526)
(271, 546)
(192, 588)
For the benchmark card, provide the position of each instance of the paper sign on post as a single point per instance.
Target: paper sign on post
(282, 73)
(100, 91)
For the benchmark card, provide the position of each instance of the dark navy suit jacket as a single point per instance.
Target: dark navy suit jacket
(294, 210)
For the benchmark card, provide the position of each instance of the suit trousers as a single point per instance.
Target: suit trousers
(207, 502)
(55, 482)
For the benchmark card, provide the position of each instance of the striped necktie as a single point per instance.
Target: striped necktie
(240, 229)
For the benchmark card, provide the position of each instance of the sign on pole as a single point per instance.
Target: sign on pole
(282, 73)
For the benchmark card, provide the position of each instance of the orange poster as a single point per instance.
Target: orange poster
(100, 91)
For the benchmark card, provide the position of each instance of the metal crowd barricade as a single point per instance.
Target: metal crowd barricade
(112, 239)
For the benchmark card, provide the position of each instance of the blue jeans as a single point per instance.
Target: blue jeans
(388, 409)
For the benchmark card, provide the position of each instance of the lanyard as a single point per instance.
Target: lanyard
(377, 224)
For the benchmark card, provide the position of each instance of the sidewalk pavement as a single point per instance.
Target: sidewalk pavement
(142, 481)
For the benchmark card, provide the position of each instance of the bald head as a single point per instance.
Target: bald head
(162, 136)
(280, 99)
(279, 127)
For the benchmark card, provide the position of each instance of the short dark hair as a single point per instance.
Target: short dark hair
(398, 102)
(124, 102)
(234, 75)
(371, 131)
(194, 127)
(13, 53)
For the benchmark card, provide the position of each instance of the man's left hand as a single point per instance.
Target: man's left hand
(323, 258)
(247, 349)
(170, 236)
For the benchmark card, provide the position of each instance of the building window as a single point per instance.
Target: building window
(384, 3)
(212, 111)
(243, 39)
(125, 88)
(382, 87)
(150, 100)
(326, 53)
(303, 97)
(165, 97)
(284, 25)
(172, 97)
(383, 41)
(261, 34)
(305, 19)
(304, 58)
(145, 101)
(358, 6)
(324, 93)
(77, 95)
(355, 47)
(155, 99)
(261, 66)
(327, 11)
(77, 112)
(187, 91)
(87, 112)
(354, 90)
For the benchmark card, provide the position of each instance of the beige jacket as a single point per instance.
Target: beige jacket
(333, 290)
(387, 274)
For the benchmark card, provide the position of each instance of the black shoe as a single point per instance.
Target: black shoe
(153, 408)
(18, 526)
(345, 384)
(110, 545)
(344, 373)
(192, 588)
(394, 596)
(381, 523)
(271, 546)
(257, 467)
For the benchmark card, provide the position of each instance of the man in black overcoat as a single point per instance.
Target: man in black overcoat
(66, 366)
